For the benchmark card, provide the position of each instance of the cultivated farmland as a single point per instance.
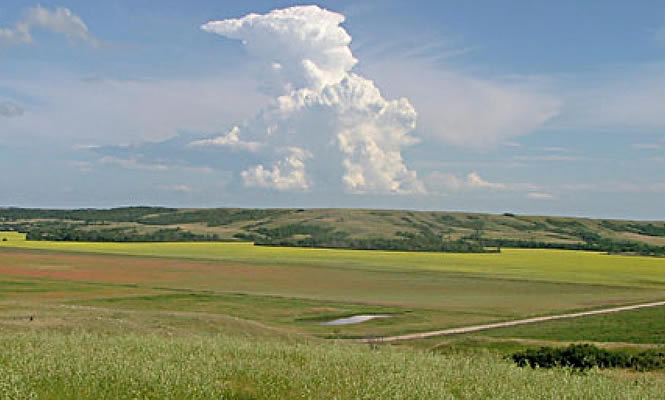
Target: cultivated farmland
(222, 303)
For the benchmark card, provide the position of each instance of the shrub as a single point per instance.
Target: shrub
(586, 356)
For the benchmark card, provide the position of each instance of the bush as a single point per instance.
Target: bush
(586, 356)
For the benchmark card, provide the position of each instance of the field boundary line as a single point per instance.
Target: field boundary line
(476, 328)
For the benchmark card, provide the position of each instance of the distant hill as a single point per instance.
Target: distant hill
(343, 228)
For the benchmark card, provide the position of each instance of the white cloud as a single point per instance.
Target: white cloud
(473, 180)
(617, 187)
(230, 140)
(539, 196)
(137, 164)
(9, 109)
(554, 149)
(337, 116)
(550, 157)
(176, 188)
(133, 164)
(286, 174)
(648, 146)
(59, 21)
(18, 35)
(82, 166)
(439, 182)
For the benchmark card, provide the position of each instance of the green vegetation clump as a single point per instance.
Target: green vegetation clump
(592, 243)
(648, 229)
(59, 234)
(586, 356)
(321, 237)
(122, 214)
(213, 217)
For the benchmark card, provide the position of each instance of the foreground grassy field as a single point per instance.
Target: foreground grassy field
(231, 320)
(87, 366)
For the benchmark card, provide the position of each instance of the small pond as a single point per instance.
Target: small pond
(356, 319)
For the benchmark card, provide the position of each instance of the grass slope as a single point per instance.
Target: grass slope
(87, 366)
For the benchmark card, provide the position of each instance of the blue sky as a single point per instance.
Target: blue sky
(528, 106)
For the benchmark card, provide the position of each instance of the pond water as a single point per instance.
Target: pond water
(356, 319)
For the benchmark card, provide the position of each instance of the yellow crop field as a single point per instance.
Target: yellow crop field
(527, 264)
(12, 237)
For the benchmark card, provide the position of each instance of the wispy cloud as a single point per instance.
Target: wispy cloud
(133, 164)
(551, 157)
(60, 21)
(474, 181)
(648, 146)
(456, 107)
(554, 149)
(113, 112)
(176, 188)
(82, 166)
(230, 140)
(616, 187)
(539, 196)
(438, 182)
(9, 109)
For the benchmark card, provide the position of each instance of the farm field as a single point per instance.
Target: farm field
(422, 291)
(207, 305)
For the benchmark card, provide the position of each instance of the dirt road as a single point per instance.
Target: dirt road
(476, 328)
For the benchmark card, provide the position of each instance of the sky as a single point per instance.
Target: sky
(532, 107)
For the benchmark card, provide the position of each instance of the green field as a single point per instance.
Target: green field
(645, 326)
(203, 305)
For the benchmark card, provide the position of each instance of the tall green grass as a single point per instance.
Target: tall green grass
(50, 365)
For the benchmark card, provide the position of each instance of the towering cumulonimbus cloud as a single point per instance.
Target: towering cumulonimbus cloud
(326, 123)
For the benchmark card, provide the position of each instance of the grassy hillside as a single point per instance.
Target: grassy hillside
(49, 365)
(344, 228)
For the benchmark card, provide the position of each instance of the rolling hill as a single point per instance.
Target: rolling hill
(343, 228)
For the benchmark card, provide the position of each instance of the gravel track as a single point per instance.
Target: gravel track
(476, 328)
